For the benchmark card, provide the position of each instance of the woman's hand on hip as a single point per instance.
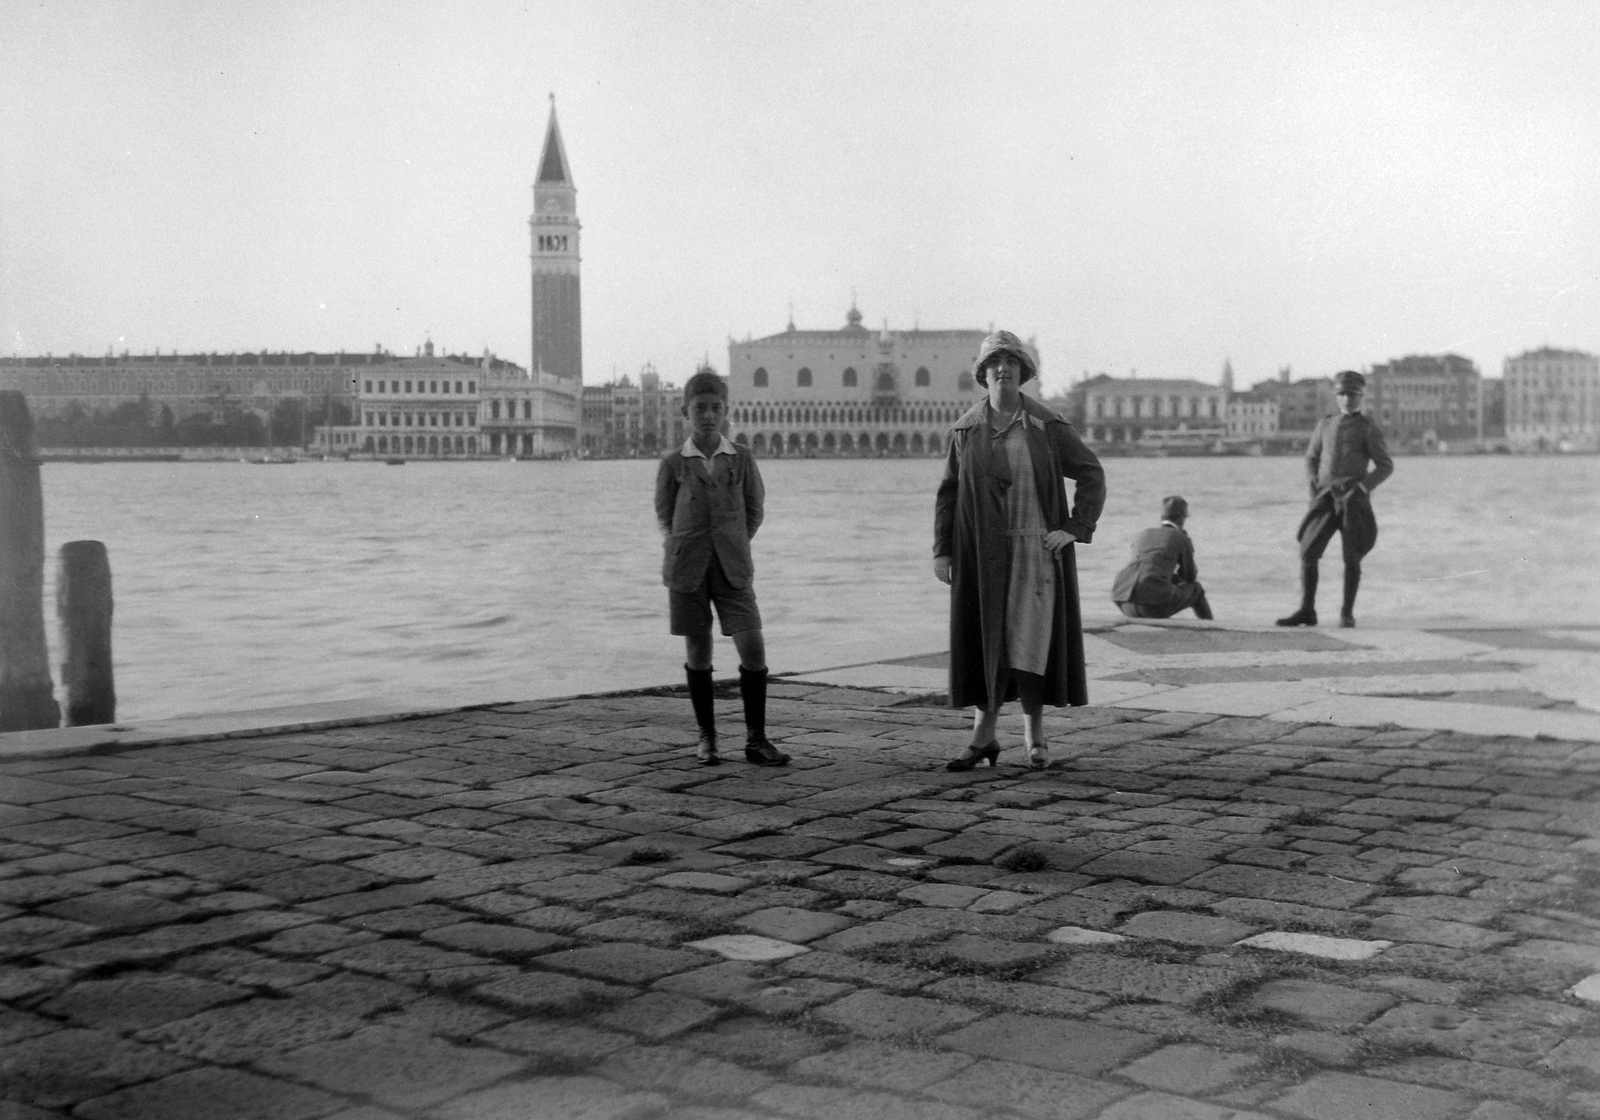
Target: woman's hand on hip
(1057, 539)
(941, 569)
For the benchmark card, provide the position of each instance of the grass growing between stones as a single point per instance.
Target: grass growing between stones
(1023, 859)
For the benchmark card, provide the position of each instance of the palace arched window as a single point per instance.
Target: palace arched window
(922, 376)
(850, 378)
(964, 382)
(759, 378)
(886, 382)
(803, 378)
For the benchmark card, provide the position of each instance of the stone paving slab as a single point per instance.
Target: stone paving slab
(546, 908)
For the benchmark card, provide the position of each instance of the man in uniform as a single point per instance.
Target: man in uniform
(1160, 579)
(1337, 463)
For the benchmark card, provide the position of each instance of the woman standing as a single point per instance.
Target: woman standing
(1003, 537)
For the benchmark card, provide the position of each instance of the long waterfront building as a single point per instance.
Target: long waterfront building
(187, 383)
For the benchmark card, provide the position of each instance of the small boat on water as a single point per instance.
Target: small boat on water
(395, 462)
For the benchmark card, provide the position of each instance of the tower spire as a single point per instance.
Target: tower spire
(553, 166)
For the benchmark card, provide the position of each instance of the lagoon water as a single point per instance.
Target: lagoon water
(242, 586)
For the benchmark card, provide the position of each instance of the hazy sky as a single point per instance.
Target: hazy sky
(1143, 186)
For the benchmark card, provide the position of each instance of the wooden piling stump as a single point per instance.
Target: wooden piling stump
(83, 604)
(27, 698)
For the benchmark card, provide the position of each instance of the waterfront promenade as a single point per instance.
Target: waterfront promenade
(1304, 875)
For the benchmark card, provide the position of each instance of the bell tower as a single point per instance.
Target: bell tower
(557, 312)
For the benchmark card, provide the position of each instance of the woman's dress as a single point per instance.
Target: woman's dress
(1031, 576)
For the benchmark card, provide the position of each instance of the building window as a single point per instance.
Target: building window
(382, 385)
(850, 379)
(803, 378)
(458, 386)
(922, 377)
(408, 386)
(472, 386)
(369, 385)
(759, 379)
(964, 382)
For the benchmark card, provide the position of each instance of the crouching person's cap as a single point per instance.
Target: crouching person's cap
(1349, 381)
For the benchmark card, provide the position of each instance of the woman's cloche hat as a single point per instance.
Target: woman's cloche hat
(1004, 342)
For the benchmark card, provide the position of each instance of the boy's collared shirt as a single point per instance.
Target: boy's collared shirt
(691, 450)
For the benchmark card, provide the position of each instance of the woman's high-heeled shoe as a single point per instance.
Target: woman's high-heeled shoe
(1039, 756)
(969, 758)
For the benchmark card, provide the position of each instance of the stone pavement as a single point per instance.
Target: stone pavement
(546, 909)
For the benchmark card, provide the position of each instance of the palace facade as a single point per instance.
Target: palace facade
(852, 391)
(1132, 409)
(1422, 399)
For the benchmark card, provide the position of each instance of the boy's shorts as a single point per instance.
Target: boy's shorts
(736, 606)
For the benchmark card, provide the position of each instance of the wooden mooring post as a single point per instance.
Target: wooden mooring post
(27, 698)
(83, 604)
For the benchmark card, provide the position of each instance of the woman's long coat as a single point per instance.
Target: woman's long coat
(969, 527)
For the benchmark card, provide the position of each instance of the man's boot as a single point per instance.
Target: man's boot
(705, 715)
(753, 691)
(1307, 614)
(1202, 609)
(1352, 583)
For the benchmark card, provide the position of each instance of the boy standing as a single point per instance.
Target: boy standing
(709, 504)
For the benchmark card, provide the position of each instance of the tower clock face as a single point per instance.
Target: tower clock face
(552, 206)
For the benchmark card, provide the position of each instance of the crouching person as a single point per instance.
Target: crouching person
(1161, 579)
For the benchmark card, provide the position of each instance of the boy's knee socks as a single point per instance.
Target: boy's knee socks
(753, 690)
(705, 712)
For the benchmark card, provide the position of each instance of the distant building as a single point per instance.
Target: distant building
(1302, 403)
(450, 406)
(1425, 399)
(1252, 414)
(1132, 409)
(1494, 407)
(1552, 399)
(852, 391)
(622, 420)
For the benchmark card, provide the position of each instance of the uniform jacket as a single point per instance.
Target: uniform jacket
(1162, 557)
(969, 526)
(708, 507)
(1341, 447)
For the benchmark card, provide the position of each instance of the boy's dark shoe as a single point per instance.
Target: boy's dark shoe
(706, 750)
(1347, 620)
(1301, 617)
(763, 753)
